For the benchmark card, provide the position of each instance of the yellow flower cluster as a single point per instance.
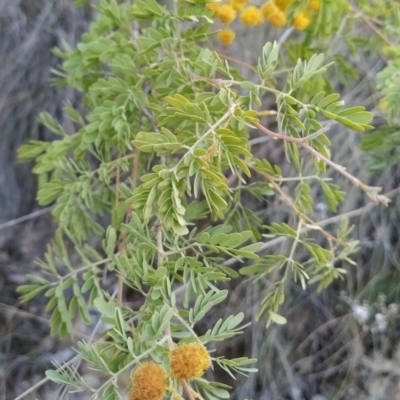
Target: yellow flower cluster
(274, 11)
(314, 5)
(226, 13)
(302, 20)
(189, 361)
(252, 16)
(274, 14)
(226, 36)
(282, 4)
(214, 8)
(149, 382)
(238, 4)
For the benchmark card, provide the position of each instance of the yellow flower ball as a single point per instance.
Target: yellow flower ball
(269, 9)
(314, 5)
(213, 7)
(278, 19)
(189, 361)
(226, 36)
(149, 382)
(237, 5)
(283, 4)
(273, 14)
(226, 14)
(302, 20)
(252, 16)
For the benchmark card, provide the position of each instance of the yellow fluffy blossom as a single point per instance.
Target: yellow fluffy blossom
(226, 36)
(238, 4)
(314, 5)
(226, 13)
(278, 19)
(269, 9)
(273, 14)
(302, 20)
(149, 382)
(252, 16)
(189, 361)
(282, 4)
(213, 7)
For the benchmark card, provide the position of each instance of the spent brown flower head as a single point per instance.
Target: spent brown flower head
(189, 361)
(149, 382)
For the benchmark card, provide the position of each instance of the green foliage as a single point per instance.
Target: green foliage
(389, 85)
(383, 145)
(164, 139)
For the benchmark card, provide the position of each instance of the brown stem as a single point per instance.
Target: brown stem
(337, 218)
(187, 389)
(290, 202)
(239, 62)
(135, 167)
(122, 247)
(120, 285)
(160, 246)
(372, 192)
(117, 181)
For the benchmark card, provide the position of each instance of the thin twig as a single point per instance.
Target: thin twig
(25, 314)
(120, 286)
(135, 167)
(239, 62)
(187, 389)
(129, 365)
(117, 182)
(188, 327)
(160, 246)
(372, 192)
(290, 202)
(45, 380)
(40, 383)
(27, 217)
(328, 221)
(369, 22)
